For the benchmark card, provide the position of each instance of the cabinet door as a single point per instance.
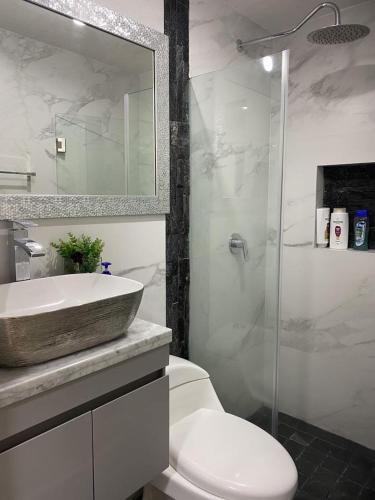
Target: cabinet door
(56, 465)
(131, 441)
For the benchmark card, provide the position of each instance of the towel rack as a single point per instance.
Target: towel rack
(15, 172)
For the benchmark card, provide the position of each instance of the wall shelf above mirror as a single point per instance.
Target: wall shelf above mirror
(85, 112)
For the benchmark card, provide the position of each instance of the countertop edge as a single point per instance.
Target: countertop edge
(141, 337)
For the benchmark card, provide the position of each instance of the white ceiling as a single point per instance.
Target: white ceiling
(278, 15)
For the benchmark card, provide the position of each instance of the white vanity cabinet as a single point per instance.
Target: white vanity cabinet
(56, 465)
(101, 437)
(130, 441)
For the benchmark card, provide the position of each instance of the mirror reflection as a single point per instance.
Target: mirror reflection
(77, 107)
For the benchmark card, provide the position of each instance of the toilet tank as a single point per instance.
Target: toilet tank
(190, 389)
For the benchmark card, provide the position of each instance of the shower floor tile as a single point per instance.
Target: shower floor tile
(329, 466)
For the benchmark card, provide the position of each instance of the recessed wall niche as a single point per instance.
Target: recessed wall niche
(351, 186)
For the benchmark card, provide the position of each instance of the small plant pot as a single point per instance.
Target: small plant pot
(71, 267)
(81, 254)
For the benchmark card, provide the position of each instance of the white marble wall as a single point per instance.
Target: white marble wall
(141, 143)
(214, 28)
(135, 245)
(231, 110)
(47, 91)
(327, 369)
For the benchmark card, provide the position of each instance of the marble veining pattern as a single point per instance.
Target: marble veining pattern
(214, 28)
(327, 342)
(22, 383)
(327, 354)
(232, 167)
(135, 246)
(35, 103)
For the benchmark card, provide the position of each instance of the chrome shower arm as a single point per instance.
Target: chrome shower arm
(330, 5)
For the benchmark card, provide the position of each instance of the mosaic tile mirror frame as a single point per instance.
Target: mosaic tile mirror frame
(46, 202)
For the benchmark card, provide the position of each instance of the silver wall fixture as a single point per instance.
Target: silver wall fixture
(60, 145)
(328, 35)
(22, 249)
(238, 245)
(28, 176)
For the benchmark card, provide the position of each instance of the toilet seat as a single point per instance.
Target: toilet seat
(231, 458)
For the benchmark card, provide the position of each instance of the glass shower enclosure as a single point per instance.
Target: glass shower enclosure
(237, 146)
(108, 154)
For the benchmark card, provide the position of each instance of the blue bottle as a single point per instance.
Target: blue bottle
(106, 266)
(361, 230)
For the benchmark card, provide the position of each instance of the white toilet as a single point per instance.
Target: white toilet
(215, 455)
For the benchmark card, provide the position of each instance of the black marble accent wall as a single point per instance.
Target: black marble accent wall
(351, 186)
(176, 14)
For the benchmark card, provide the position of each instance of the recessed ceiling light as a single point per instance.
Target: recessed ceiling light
(78, 23)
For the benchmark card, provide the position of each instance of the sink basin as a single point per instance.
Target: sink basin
(47, 318)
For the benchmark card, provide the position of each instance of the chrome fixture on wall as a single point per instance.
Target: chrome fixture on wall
(22, 249)
(328, 35)
(237, 244)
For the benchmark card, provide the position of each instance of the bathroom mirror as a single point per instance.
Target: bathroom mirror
(84, 106)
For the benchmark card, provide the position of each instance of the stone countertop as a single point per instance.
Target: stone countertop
(17, 384)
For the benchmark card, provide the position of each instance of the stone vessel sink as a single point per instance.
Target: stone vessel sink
(47, 318)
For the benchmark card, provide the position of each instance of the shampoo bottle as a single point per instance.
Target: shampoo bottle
(361, 229)
(339, 233)
(322, 227)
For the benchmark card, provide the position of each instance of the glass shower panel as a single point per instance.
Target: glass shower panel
(94, 159)
(140, 142)
(237, 123)
(71, 170)
(105, 162)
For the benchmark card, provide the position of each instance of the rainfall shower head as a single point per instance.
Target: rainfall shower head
(338, 33)
(329, 35)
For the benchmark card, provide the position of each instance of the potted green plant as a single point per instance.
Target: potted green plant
(81, 254)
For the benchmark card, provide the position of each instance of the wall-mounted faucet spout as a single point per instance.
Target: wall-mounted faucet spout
(31, 247)
(22, 249)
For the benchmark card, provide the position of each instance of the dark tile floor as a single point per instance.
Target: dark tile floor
(329, 466)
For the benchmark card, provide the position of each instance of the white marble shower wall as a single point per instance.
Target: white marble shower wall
(230, 158)
(46, 90)
(214, 28)
(327, 368)
(232, 136)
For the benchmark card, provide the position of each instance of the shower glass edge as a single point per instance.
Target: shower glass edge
(237, 152)
(283, 127)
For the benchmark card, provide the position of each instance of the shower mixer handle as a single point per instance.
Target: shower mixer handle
(236, 244)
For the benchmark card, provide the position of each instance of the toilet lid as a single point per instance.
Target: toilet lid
(231, 458)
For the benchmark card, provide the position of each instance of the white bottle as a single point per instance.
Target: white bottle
(339, 233)
(322, 227)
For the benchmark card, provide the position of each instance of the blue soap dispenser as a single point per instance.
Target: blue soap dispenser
(106, 266)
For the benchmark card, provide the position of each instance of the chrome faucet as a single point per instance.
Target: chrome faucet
(22, 249)
(238, 244)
